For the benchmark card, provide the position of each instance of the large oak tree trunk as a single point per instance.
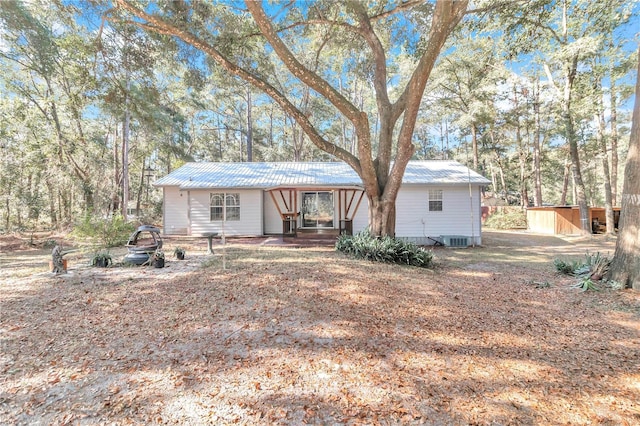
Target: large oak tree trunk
(382, 217)
(625, 267)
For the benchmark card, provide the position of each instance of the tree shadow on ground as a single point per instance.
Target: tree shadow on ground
(318, 338)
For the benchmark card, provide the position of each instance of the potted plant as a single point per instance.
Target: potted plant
(179, 253)
(101, 259)
(158, 259)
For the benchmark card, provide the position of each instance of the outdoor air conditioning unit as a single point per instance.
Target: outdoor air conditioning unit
(455, 240)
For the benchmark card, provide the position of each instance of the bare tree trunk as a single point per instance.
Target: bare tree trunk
(574, 187)
(66, 148)
(297, 141)
(522, 158)
(446, 139)
(221, 139)
(474, 144)
(503, 181)
(625, 267)
(115, 198)
(608, 205)
(570, 67)
(614, 143)
(494, 181)
(565, 182)
(8, 216)
(84, 175)
(125, 153)
(271, 113)
(442, 140)
(343, 124)
(297, 131)
(249, 127)
(537, 174)
(524, 193)
(140, 191)
(576, 171)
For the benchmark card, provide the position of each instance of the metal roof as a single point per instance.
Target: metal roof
(269, 175)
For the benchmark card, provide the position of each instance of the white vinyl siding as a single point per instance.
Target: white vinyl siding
(250, 222)
(176, 211)
(361, 219)
(416, 223)
(272, 219)
(188, 213)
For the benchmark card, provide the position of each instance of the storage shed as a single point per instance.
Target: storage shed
(565, 220)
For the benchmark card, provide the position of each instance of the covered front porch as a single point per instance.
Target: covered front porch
(316, 212)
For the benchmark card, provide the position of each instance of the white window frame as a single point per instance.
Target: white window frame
(227, 206)
(436, 199)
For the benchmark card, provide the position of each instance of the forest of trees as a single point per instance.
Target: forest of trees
(100, 99)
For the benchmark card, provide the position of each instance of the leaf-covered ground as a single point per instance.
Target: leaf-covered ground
(305, 336)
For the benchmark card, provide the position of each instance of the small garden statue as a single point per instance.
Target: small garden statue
(58, 262)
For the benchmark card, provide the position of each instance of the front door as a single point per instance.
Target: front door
(317, 209)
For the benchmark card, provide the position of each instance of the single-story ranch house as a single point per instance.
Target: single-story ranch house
(438, 200)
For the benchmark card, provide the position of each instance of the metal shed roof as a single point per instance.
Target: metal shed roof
(269, 175)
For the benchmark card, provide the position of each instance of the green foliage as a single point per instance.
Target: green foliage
(507, 219)
(565, 267)
(111, 232)
(586, 284)
(591, 270)
(363, 245)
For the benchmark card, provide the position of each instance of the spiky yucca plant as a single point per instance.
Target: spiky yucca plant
(384, 249)
(593, 269)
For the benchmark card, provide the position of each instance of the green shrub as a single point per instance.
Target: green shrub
(565, 267)
(507, 219)
(363, 245)
(109, 232)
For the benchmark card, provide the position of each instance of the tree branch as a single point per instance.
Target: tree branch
(495, 6)
(404, 5)
(157, 24)
(446, 16)
(305, 75)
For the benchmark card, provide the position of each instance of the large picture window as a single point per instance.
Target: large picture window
(317, 209)
(435, 200)
(224, 206)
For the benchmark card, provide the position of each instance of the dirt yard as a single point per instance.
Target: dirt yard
(261, 334)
